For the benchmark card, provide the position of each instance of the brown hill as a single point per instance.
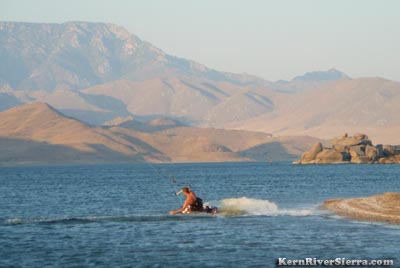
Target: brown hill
(36, 132)
(154, 125)
(191, 144)
(43, 125)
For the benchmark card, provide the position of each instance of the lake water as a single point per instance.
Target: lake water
(117, 215)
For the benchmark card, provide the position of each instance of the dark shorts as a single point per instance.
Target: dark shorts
(197, 206)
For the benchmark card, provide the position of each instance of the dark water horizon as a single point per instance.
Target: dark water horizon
(117, 215)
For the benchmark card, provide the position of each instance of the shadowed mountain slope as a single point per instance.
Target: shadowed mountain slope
(368, 105)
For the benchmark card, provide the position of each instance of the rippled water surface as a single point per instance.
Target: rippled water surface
(117, 216)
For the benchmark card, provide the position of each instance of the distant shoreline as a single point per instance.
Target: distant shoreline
(37, 164)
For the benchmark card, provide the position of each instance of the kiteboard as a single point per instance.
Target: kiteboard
(204, 210)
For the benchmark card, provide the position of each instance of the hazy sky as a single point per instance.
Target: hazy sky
(272, 39)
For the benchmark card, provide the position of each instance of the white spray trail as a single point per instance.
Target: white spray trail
(251, 206)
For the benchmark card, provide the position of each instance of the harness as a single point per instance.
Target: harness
(197, 205)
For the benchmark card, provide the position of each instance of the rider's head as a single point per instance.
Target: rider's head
(186, 190)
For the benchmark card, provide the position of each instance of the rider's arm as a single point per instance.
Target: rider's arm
(185, 205)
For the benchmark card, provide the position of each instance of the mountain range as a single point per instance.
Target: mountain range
(101, 74)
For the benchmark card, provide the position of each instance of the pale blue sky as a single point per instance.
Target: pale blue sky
(272, 39)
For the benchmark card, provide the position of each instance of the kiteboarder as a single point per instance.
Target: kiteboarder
(192, 202)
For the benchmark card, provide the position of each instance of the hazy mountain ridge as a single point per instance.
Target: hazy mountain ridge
(77, 55)
(189, 99)
(330, 75)
(370, 105)
(310, 80)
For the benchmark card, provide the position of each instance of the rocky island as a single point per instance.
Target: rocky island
(382, 208)
(351, 149)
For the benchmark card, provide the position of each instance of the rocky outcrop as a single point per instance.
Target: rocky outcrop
(383, 208)
(390, 160)
(357, 149)
(311, 154)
